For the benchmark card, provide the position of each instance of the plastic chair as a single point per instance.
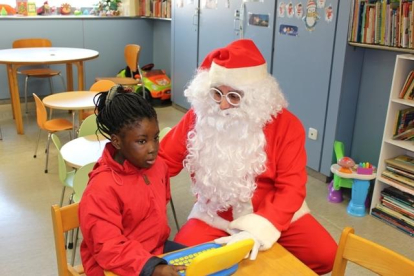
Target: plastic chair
(335, 194)
(370, 255)
(163, 132)
(65, 219)
(66, 177)
(131, 54)
(37, 72)
(51, 126)
(79, 184)
(88, 126)
(99, 86)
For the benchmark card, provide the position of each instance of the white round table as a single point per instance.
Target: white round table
(72, 100)
(16, 57)
(83, 150)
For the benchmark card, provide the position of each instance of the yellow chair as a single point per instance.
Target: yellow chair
(51, 126)
(370, 255)
(65, 219)
(99, 86)
(131, 55)
(37, 72)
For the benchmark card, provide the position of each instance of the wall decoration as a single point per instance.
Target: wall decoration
(260, 20)
(281, 9)
(311, 16)
(289, 10)
(288, 30)
(31, 9)
(329, 14)
(227, 4)
(299, 10)
(210, 4)
(321, 3)
(179, 3)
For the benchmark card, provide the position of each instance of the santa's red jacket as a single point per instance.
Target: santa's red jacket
(280, 195)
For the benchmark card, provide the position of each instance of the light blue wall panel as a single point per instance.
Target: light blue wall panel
(162, 45)
(374, 93)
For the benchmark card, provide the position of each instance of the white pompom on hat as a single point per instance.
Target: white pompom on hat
(239, 63)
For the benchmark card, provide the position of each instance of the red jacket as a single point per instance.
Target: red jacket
(123, 218)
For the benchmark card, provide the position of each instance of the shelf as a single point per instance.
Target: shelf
(407, 145)
(402, 101)
(380, 47)
(396, 185)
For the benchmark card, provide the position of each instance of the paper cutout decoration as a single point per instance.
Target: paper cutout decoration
(281, 9)
(311, 16)
(329, 14)
(299, 10)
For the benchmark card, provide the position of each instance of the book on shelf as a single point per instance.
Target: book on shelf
(404, 121)
(407, 84)
(399, 179)
(404, 197)
(382, 22)
(397, 206)
(394, 222)
(402, 162)
(396, 215)
(400, 172)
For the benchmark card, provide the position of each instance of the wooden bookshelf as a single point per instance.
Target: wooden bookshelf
(154, 9)
(391, 148)
(382, 24)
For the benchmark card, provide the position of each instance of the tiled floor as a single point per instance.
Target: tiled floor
(26, 194)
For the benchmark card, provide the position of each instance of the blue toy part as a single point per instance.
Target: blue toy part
(356, 206)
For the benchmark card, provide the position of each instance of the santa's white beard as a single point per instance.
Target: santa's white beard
(226, 148)
(226, 153)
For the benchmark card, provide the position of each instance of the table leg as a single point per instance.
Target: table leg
(81, 85)
(15, 97)
(356, 206)
(74, 126)
(69, 77)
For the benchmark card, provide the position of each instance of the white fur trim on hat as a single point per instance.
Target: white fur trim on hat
(236, 77)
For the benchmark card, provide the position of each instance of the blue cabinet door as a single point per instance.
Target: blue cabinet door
(302, 65)
(184, 49)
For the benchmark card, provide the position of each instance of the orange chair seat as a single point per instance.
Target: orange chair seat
(120, 80)
(40, 72)
(57, 125)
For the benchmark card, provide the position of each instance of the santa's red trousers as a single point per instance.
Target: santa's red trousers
(306, 239)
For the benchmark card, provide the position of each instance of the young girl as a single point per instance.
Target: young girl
(122, 213)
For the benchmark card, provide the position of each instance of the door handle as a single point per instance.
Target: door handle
(236, 20)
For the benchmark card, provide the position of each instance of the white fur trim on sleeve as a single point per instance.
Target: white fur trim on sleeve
(214, 221)
(261, 228)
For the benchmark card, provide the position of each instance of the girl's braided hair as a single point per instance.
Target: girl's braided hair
(120, 107)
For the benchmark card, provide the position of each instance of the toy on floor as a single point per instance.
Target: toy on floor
(355, 176)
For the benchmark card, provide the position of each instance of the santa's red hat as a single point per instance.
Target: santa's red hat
(239, 63)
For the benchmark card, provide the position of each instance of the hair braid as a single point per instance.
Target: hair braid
(123, 108)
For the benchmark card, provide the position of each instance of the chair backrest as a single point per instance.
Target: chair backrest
(32, 42)
(88, 126)
(339, 149)
(61, 162)
(81, 180)
(131, 53)
(41, 112)
(64, 219)
(370, 255)
(102, 85)
(164, 132)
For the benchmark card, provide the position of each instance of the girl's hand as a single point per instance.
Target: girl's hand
(168, 270)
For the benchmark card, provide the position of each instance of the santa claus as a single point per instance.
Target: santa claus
(246, 155)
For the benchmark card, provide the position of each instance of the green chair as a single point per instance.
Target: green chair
(334, 188)
(79, 184)
(163, 132)
(88, 126)
(66, 177)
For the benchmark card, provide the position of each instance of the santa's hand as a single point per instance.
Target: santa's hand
(243, 235)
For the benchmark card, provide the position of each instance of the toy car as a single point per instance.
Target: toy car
(156, 85)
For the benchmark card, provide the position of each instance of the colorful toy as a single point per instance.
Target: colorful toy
(355, 177)
(157, 85)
